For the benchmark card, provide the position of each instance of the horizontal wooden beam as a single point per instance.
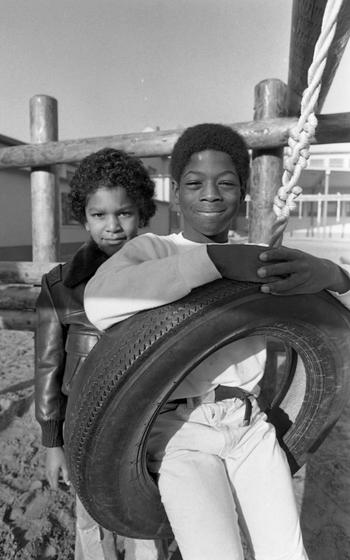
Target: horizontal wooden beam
(268, 133)
(17, 320)
(306, 25)
(18, 297)
(23, 272)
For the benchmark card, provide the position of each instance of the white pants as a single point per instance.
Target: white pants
(92, 542)
(214, 472)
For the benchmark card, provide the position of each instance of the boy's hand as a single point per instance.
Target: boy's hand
(56, 464)
(289, 271)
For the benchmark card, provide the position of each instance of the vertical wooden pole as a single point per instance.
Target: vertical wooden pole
(45, 210)
(267, 165)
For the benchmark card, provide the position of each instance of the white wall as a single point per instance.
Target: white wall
(15, 208)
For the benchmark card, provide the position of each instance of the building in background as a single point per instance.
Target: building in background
(323, 210)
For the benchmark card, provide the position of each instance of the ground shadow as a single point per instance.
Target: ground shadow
(14, 406)
(324, 495)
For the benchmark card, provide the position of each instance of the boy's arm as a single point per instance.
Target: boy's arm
(302, 273)
(50, 402)
(149, 271)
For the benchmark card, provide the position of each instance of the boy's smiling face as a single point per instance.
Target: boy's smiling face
(209, 196)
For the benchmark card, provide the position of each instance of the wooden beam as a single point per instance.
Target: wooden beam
(18, 297)
(305, 30)
(332, 129)
(23, 272)
(336, 52)
(17, 320)
(266, 133)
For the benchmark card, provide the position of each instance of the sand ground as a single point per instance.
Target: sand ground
(38, 523)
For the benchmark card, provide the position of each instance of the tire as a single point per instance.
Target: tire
(136, 365)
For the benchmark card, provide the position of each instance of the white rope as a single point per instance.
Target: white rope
(298, 151)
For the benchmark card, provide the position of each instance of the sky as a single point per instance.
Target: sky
(119, 66)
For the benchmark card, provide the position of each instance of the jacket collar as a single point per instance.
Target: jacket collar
(83, 264)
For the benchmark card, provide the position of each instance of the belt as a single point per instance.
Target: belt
(241, 394)
(237, 393)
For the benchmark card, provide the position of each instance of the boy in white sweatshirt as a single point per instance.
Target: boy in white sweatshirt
(216, 461)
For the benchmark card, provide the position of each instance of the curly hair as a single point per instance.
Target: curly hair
(211, 136)
(110, 168)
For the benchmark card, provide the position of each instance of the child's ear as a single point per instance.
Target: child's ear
(86, 226)
(176, 191)
(243, 192)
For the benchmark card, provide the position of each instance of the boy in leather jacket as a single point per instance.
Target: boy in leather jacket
(111, 196)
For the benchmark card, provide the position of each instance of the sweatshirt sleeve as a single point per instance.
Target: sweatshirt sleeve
(149, 271)
(344, 298)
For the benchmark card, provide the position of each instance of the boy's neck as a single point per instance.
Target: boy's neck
(199, 237)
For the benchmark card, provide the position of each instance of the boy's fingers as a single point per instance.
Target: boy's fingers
(277, 269)
(65, 476)
(280, 254)
(287, 286)
(268, 279)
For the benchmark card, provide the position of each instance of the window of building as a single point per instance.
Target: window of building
(67, 218)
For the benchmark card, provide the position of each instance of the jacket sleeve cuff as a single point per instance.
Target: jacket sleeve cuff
(196, 268)
(52, 433)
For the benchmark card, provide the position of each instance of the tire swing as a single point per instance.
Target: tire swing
(136, 366)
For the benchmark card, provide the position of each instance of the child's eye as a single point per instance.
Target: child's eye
(97, 214)
(193, 183)
(230, 184)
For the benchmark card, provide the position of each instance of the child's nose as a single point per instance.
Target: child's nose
(113, 223)
(210, 191)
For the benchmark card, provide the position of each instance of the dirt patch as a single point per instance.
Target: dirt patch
(35, 522)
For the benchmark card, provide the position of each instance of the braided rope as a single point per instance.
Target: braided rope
(298, 151)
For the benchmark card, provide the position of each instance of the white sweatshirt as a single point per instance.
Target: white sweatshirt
(150, 271)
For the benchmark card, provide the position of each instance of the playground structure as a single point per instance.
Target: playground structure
(276, 110)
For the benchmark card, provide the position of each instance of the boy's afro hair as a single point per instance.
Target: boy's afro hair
(112, 168)
(210, 136)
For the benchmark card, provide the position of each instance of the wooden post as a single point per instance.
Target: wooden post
(305, 30)
(267, 165)
(45, 209)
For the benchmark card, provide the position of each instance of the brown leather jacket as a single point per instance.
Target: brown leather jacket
(64, 337)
